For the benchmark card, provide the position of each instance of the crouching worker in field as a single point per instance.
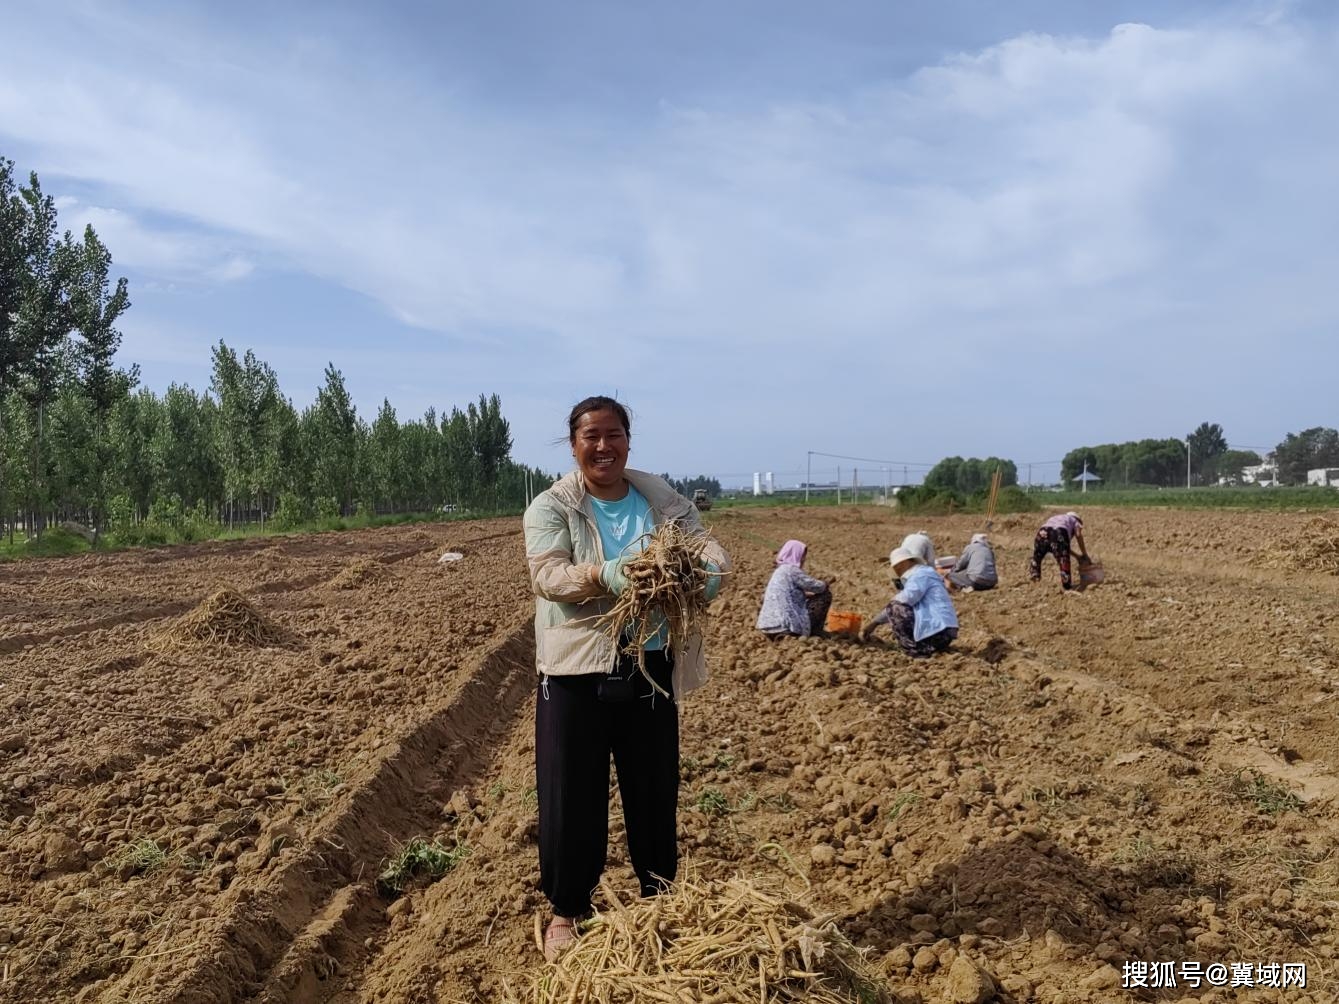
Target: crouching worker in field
(593, 702)
(975, 567)
(920, 545)
(795, 603)
(921, 615)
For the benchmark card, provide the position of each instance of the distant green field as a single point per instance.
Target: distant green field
(753, 501)
(1199, 498)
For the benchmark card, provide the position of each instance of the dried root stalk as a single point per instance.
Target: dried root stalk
(666, 585)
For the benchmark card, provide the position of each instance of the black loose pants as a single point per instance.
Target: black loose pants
(577, 728)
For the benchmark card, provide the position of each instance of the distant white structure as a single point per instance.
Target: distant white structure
(1323, 476)
(769, 484)
(1085, 477)
(1259, 474)
(757, 483)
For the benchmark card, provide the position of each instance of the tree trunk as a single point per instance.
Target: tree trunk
(36, 486)
(4, 485)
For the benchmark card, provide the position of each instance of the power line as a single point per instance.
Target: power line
(870, 460)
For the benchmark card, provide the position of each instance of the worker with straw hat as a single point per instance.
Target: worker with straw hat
(594, 700)
(921, 615)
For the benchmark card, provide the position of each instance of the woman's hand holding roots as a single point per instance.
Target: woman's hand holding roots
(667, 584)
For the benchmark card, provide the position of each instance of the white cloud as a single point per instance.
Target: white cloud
(1039, 168)
(169, 254)
(1144, 191)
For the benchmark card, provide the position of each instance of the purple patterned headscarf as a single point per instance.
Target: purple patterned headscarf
(791, 553)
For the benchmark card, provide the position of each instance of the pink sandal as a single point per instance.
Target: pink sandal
(561, 932)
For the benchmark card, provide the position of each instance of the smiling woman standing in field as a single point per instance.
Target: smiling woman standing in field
(593, 701)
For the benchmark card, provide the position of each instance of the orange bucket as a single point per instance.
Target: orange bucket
(843, 622)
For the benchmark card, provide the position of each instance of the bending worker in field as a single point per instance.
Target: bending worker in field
(921, 615)
(975, 567)
(1056, 536)
(592, 701)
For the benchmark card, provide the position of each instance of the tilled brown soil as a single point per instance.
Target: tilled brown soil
(1142, 773)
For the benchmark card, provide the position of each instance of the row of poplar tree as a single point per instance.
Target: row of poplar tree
(80, 441)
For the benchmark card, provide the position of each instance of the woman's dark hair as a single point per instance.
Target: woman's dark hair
(597, 403)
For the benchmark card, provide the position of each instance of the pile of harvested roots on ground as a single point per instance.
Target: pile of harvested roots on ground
(359, 573)
(711, 941)
(666, 588)
(225, 618)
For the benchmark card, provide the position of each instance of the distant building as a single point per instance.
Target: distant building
(1086, 477)
(1260, 474)
(1323, 476)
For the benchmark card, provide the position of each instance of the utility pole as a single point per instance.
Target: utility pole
(855, 485)
(808, 473)
(1187, 461)
(839, 484)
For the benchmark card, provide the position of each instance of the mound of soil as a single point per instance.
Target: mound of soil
(225, 618)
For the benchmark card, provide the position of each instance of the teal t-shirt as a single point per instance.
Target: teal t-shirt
(625, 527)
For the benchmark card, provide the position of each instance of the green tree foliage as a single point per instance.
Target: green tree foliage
(1207, 444)
(184, 460)
(134, 422)
(490, 439)
(686, 486)
(1160, 462)
(461, 473)
(1304, 451)
(13, 220)
(386, 456)
(41, 324)
(78, 441)
(967, 477)
(96, 309)
(335, 440)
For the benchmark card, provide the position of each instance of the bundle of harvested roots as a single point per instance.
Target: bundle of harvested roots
(225, 618)
(666, 587)
(708, 941)
(359, 573)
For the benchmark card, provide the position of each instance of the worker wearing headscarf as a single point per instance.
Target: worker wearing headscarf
(794, 603)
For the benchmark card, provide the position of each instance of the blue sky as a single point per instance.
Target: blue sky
(889, 230)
